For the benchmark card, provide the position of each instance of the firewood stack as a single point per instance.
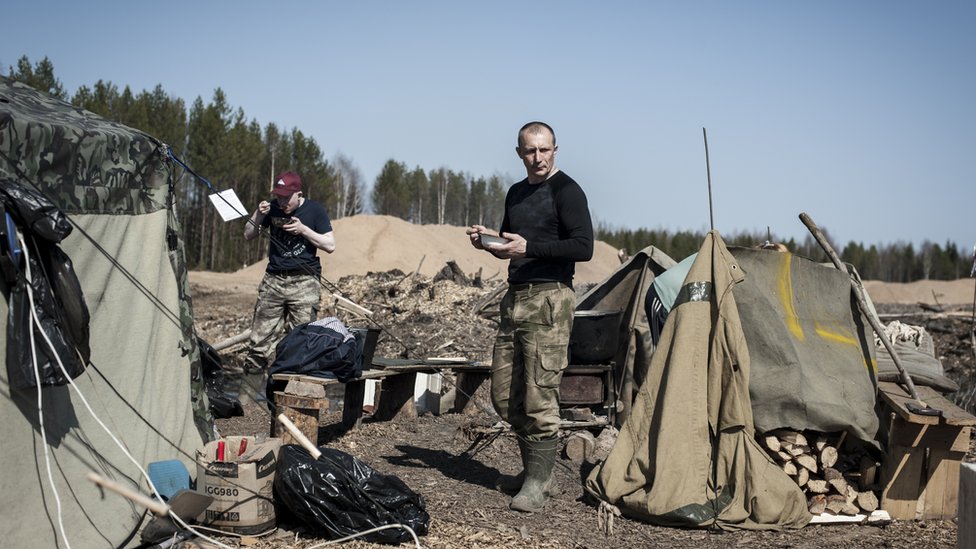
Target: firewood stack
(841, 484)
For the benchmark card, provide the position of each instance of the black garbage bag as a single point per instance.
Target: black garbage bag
(223, 404)
(56, 298)
(337, 495)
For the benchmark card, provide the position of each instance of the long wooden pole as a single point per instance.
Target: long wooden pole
(862, 303)
(708, 172)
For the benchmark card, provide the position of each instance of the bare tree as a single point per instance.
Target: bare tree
(348, 186)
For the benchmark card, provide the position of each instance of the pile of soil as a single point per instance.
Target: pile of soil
(453, 460)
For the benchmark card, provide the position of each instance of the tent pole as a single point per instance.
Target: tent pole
(862, 303)
(708, 171)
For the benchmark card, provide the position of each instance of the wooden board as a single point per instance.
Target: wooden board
(896, 398)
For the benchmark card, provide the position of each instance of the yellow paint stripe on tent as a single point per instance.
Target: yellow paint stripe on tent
(785, 288)
(844, 338)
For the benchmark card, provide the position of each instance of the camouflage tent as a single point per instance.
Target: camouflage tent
(143, 380)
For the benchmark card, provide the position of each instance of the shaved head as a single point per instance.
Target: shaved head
(535, 128)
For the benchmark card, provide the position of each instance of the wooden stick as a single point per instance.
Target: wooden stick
(299, 436)
(231, 341)
(708, 171)
(157, 508)
(862, 303)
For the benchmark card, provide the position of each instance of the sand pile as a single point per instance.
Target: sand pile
(379, 243)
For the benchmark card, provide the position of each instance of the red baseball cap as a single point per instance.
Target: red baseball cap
(286, 184)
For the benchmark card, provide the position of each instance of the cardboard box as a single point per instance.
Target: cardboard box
(241, 484)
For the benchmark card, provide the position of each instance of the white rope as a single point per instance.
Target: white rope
(604, 516)
(40, 400)
(416, 541)
(93, 414)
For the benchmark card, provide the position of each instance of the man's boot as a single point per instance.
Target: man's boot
(511, 485)
(538, 476)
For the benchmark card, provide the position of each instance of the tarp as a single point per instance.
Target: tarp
(687, 454)
(144, 379)
(812, 350)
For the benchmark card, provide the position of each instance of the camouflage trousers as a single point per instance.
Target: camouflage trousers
(530, 355)
(284, 302)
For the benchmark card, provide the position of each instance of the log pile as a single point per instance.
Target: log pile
(835, 482)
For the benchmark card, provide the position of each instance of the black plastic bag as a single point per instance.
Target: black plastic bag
(58, 300)
(338, 495)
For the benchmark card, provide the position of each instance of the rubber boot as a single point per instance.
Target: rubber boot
(538, 476)
(511, 485)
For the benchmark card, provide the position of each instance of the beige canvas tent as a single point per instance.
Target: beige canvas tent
(115, 185)
(756, 340)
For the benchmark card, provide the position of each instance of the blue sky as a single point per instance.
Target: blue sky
(861, 113)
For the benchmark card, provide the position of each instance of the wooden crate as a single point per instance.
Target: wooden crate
(920, 473)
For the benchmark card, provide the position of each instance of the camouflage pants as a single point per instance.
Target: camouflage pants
(530, 355)
(283, 302)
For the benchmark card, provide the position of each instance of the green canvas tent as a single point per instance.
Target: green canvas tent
(144, 379)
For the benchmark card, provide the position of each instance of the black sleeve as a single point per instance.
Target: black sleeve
(575, 227)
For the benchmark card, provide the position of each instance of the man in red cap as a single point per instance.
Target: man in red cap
(290, 292)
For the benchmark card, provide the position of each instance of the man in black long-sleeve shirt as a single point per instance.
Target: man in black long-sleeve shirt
(547, 224)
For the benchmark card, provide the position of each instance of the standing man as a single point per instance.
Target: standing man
(547, 224)
(290, 291)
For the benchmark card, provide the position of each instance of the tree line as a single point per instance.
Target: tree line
(220, 143)
(898, 262)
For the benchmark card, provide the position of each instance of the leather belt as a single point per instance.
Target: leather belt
(293, 272)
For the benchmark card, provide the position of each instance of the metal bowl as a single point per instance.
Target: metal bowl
(491, 239)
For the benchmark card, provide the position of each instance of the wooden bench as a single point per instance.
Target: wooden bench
(920, 473)
(303, 397)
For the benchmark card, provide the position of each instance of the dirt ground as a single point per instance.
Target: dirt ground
(453, 463)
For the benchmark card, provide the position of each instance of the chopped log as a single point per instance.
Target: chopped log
(828, 456)
(820, 443)
(867, 501)
(806, 461)
(851, 493)
(579, 446)
(305, 389)
(836, 503)
(850, 509)
(782, 456)
(817, 485)
(836, 480)
(772, 443)
(790, 468)
(604, 443)
(817, 504)
(798, 449)
(802, 477)
(792, 437)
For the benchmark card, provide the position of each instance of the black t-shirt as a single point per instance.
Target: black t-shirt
(291, 252)
(554, 219)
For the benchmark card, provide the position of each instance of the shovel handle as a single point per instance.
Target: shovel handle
(158, 508)
(299, 436)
